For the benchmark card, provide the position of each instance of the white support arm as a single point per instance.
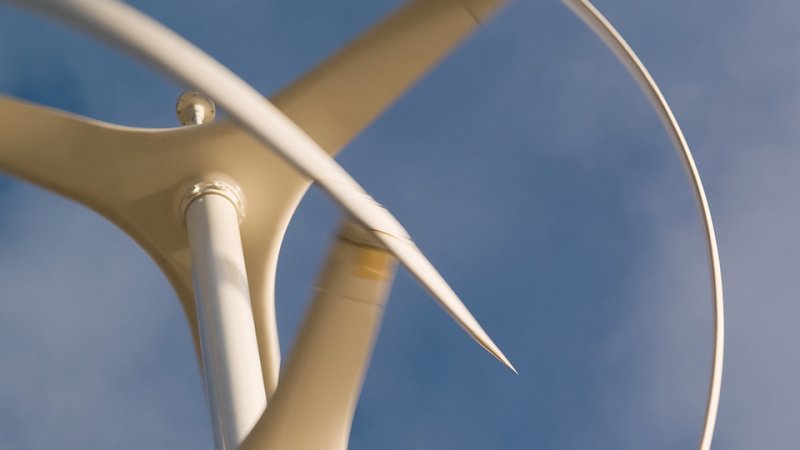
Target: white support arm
(141, 36)
(317, 395)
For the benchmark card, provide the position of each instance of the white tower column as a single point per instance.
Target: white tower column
(231, 365)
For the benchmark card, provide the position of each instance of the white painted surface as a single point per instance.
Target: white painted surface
(141, 36)
(316, 399)
(228, 343)
(594, 19)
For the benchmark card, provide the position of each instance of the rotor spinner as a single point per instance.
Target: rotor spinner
(195, 108)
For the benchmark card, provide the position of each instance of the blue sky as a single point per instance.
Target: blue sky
(527, 166)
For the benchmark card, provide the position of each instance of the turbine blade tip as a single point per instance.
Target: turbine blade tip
(498, 354)
(507, 363)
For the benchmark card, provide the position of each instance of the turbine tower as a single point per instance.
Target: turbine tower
(210, 203)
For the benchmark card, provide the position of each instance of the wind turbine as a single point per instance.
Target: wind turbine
(200, 180)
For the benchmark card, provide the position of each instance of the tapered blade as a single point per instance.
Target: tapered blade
(145, 38)
(613, 39)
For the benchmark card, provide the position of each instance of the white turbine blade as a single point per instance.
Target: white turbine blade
(589, 14)
(140, 35)
(407, 252)
(339, 97)
(317, 396)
